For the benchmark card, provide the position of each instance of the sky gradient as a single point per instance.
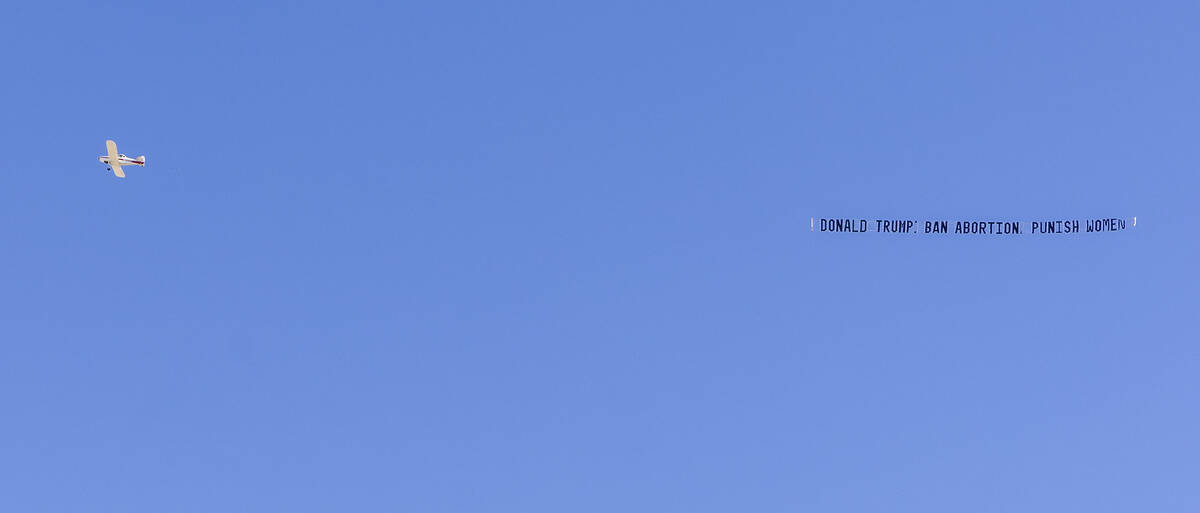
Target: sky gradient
(458, 256)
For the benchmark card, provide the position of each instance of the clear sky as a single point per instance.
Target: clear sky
(533, 256)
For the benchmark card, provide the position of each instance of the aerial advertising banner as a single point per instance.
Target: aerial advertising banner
(971, 227)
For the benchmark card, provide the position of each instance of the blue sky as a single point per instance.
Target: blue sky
(458, 256)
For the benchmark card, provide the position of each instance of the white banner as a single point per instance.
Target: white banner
(971, 227)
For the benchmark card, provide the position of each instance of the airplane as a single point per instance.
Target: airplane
(116, 160)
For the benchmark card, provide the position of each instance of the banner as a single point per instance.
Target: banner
(971, 227)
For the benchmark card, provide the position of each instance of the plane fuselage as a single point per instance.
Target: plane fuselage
(122, 160)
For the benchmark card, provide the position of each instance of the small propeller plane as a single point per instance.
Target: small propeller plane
(116, 160)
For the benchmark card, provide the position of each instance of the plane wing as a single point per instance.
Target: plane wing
(113, 160)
